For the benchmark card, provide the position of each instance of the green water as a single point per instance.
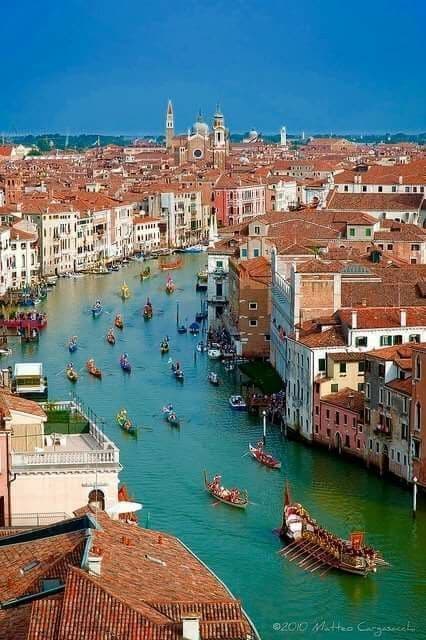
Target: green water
(163, 468)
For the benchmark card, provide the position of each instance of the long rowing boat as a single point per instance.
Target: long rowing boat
(233, 497)
(264, 458)
(93, 369)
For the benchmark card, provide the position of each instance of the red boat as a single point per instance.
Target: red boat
(264, 458)
(93, 369)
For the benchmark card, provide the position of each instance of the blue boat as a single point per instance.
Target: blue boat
(72, 344)
(125, 364)
(97, 309)
(194, 328)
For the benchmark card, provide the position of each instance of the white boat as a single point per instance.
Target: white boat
(237, 403)
(196, 248)
(5, 352)
(214, 352)
(213, 378)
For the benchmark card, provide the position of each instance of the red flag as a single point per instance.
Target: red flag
(357, 539)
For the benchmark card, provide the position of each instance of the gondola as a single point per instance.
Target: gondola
(72, 374)
(125, 423)
(72, 344)
(147, 310)
(124, 291)
(194, 328)
(314, 548)
(232, 497)
(182, 329)
(213, 378)
(170, 285)
(177, 371)
(164, 346)
(119, 321)
(125, 364)
(202, 347)
(93, 369)
(97, 309)
(110, 337)
(264, 458)
(145, 273)
(170, 416)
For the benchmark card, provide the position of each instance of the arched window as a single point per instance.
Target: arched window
(417, 416)
(418, 368)
(97, 499)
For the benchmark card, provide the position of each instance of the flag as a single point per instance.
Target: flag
(356, 540)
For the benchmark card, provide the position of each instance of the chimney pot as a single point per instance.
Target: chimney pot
(403, 317)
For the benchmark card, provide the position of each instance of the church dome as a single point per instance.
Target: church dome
(200, 127)
(253, 134)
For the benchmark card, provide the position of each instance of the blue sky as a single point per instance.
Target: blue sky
(314, 65)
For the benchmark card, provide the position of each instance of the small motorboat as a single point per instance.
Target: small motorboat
(237, 403)
(93, 369)
(177, 371)
(172, 419)
(259, 454)
(182, 329)
(164, 346)
(202, 347)
(213, 378)
(233, 497)
(214, 352)
(119, 321)
(195, 248)
(72, 344)
(125, 423)
(110, 337)
(125, 291)
(97, 309)
(145, 273)
(170, 285)
(114, 268)
(72, 374)
(194, 328)
(147, 310)
(124, 363)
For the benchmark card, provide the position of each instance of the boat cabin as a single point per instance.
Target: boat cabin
(29, 382)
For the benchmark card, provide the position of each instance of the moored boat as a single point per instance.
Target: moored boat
(233, 497)
(125, 291)
(214, 351)
(72, 374)
(259, 454)
(124, 363)
(72, 344)
(237, 403)
(194, 328)
(201, 347)
(93, 369)
(125, 422)
(110, 337)
(182, 328)
(314, 548)
(97, 309)
(213, 378)
(118, 321)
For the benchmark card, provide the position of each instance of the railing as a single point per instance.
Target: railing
(217, 299)
(47, 458)
(23, 520)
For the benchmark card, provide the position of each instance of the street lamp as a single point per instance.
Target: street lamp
(414, 496)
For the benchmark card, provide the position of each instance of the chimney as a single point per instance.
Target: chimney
(354, 320)
(94, 561)
(364, 302)
(190, 627)
(400, 180)
(403, 317)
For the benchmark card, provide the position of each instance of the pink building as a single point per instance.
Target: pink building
(341, 424)
(238, 199)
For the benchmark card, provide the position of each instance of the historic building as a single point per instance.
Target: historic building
(200, 144)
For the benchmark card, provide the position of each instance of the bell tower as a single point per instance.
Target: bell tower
(220, 140)
(170, 125)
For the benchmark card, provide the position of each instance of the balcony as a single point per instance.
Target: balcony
(217, 299)
(219, 273)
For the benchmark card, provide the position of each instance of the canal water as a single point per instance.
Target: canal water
(164, 467)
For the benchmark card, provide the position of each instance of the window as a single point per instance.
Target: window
(253, 305)
(342, 368)
(417, 416)
(398, 456)
(334, 388)
(415, 247)
(360, 386)
(404, 431)
(219, 264)
(416, 449)
(345, 419)
(367, 390)
(358, 444)
(393, 189)
(390, 247)
(327, 413)
(364, 188)
(414, 337)
(370, 444)
(392, 453)
(346, 188)
(361, 341)
(316, 410)
(351, 231)
(381, 370)
(380, 395)
(257, 230)
(418, 369)
(347, 442)
(385, 341)
(316, 428)
(361, 366)
(380, 189)
(397, 339)
(244, 253)
(337, 418)
(256, 253)
(321, 364)
(368, 232)
(267, 337)
(253, 323)
(377, 447)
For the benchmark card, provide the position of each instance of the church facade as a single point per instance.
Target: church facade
(200, 144)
